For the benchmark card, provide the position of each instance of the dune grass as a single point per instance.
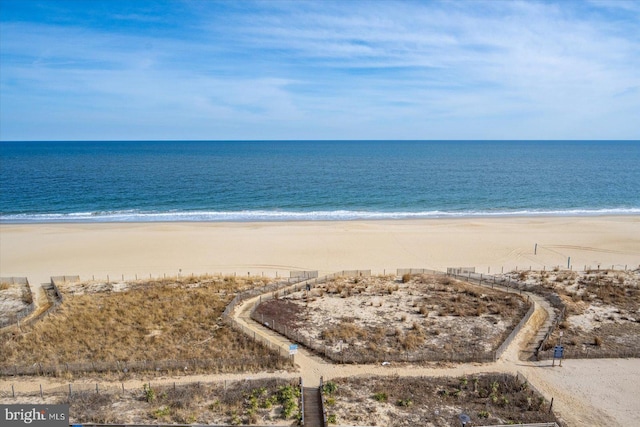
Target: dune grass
(166, 320)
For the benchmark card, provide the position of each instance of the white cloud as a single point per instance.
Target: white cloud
(344, 69)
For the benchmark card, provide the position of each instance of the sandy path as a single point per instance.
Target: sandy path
(571, 389)
(312, 366)
(597, 392)
(571, 386)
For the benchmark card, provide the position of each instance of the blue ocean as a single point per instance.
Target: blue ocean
(120, 181)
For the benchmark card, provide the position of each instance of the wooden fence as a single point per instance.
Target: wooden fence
(71, 389)
(55, 297)
(587, 353)
(14, 318)
(365, 356)
(190, 365)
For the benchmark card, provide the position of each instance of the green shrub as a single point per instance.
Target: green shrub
(329, 388)
(483, 414)
(149, 393)
(380, 397)
(405, 403)
(288, 398)
(162, 411)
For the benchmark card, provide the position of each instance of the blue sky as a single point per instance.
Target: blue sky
(100, 70)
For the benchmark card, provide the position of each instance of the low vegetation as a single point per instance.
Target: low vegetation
(418, 317)
(487, 399)
(127, 322)
(601, 310)
(15, 299)
(264, 402)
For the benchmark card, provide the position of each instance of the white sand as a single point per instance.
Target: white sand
(594, 392)
(40, 251)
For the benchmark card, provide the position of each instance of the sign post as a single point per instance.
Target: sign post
(293, 349)
(558, 352)
(464, 419)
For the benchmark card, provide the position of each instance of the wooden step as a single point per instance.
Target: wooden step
(312, 412)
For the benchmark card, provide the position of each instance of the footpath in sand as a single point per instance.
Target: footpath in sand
(599, 392)
(571, 386)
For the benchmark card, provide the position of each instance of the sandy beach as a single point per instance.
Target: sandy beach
(39, 251)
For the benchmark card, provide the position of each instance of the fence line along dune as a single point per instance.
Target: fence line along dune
(134, 325)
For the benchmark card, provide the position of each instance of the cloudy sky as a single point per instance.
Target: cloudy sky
(100, 70)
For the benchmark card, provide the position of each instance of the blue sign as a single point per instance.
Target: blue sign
(558, 351)
(293, 348)
(464, 419)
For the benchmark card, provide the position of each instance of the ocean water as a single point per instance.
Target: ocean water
(314, 180)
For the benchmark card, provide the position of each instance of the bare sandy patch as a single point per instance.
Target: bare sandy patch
(372, 318)
(601, 310)
(15, 299)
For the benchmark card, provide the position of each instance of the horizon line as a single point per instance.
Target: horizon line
(322, 140)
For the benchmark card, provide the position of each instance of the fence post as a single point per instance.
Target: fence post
(13, 391)
(70, 392)
(41, 396)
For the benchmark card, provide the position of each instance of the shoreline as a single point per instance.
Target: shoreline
(89, 249)
(260, 216)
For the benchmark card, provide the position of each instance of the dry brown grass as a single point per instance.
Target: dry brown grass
(346, 331)
(14, 299)
(381, 317)
(167, 320)
(602, 304)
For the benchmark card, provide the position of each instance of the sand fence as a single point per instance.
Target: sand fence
(25, 297)
(338, 356)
